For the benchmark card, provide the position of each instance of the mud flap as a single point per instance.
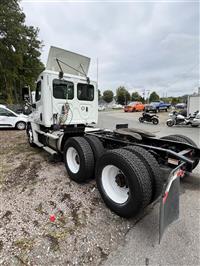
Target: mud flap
(169, 202)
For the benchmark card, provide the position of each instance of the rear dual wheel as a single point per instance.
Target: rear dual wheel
(81, 155)
(126, 181)
(78, 159)
(123, 182)
(152, 167)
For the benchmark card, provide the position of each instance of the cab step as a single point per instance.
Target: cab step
(49, 150)
(47, 134)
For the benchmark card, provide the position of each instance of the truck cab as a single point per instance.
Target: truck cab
(65, 101)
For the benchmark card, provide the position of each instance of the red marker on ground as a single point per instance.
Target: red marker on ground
(52, 218)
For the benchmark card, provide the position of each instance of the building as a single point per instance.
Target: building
(193, 102)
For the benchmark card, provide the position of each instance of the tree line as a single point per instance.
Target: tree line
(20, 51)
(123, 96)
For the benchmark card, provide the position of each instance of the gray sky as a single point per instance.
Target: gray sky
(140, 45)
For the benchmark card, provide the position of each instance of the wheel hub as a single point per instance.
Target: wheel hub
(115, 184)
(77, 159)
(120, 180)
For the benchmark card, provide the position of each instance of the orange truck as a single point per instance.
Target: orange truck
(134, 106)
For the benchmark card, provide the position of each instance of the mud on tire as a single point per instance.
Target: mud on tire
(123, 182)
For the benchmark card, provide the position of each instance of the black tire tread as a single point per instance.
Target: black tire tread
(88, 158)
(152, 167)
(140, 171)
(96, 145)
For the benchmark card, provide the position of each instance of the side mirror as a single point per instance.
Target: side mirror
(33, 105)
(26, 93)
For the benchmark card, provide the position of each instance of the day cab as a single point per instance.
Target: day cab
(134, 106)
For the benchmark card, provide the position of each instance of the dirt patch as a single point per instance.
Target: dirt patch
(33, 190)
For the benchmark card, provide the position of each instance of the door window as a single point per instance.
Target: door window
(5, 112)
(85, 92)
(38, 91)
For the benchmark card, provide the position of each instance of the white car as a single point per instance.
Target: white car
(117, 106)
(101, 108)
(8, 118)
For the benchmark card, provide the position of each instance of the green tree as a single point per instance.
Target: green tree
(175, 100)
(135, 96)
(122, 95)
(108, 96)
(19, 52)
(154, 97)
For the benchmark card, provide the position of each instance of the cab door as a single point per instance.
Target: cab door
(37, 113)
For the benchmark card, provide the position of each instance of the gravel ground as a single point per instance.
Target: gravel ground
(31, 189)
(85, 232)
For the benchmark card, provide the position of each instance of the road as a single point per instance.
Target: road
(181, 242)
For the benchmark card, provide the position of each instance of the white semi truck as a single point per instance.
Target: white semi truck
(132, 167)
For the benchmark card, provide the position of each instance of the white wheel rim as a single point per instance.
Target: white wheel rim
(114, 191)
(20, 125)
(73, 160)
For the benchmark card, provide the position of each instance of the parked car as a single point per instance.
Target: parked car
(181, 106)
(117, 106)
(101, 108)
(8, 118)
(134, 106)
(157, 106)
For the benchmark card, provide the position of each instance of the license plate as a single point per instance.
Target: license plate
(173, 161)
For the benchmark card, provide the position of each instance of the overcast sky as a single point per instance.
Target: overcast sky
(146, 45)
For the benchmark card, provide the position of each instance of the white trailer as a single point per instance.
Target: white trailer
(193, 103)
(133, 168)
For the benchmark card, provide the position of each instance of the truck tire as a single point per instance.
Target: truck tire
(96, 145)
(184, 139)
(20, 125)
(123, 182)
(29, 133)
(152, 167)
(78, 159)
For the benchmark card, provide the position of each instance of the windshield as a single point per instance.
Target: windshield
(132, 103)
(154, 102)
